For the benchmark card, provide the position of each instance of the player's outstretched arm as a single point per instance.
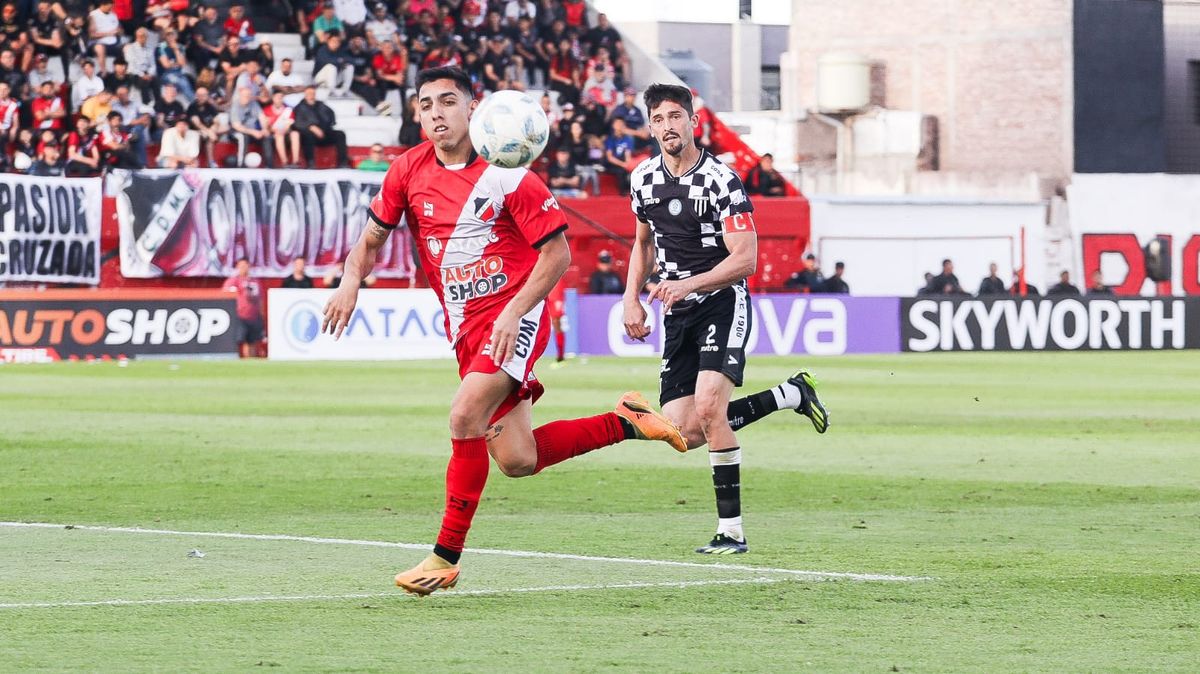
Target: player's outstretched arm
(554, 256)
(359, 264)
(741, 263)
(641, 259)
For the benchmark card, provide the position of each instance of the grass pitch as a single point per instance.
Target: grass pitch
(1052, 501)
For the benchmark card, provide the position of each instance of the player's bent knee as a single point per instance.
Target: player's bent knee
(465, 423)
(516, 467)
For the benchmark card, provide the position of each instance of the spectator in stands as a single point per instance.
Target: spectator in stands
(288, 82)
(249, 333)
(10, 121)
(382, 27)
(575, 14)
(527, 65)
(618, 155)
(1097, 287)
(158, 14)
(24, 151)
(49, 111)
(946, 283)
(316, 124)
(137, 116)
(364, 84)
(168, 105)
(281, 121)
(117, 145)
(807, 280)
(104, 33)
(548, 13)
(353, 15)
(333, 70)
(42, 73)
(208, 122)
(376, 161)
(86, 86)
(96, 109)
(564, 180)
(83, 150)
(46, 34)
(563, 71)
(120, 77)
(247, 121)
(635, 121)
(171, 61)
(496, 63)
(390, 67)
(836, 284)
(51, 162)
(208, 40)
(515, 10)
(141, 64)
(605, 281)
(180, 146)
(1015, 288)
(12, 75)
(237, 25)
(604, 35)
(233, 61)
(253, 79)
(410, 123)
(992, 284)
(764, 180)
(600, 61)
(326, 25)
(601, 91)
(299, 277)
(1064, 286)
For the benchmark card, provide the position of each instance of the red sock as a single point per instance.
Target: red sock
(560, 342)
(561, 440)
(465, 477)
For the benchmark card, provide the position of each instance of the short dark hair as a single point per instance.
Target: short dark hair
(243, 259)
(657, 94)
(839, 265)
(946, 262)
(452, 73)
(768, 156)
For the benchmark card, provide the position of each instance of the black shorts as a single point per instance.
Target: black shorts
(711, 336)
(248, 332)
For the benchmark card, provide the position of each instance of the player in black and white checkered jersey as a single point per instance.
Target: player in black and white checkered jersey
(696, 224)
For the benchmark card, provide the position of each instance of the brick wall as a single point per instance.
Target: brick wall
(997, 75)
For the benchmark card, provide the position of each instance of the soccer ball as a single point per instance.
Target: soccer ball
(509, 129)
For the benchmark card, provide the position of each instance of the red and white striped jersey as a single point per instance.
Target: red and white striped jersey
(8, 113)
(478, 228)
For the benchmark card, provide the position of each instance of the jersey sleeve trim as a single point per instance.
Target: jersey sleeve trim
(546, 239)
(380, 222)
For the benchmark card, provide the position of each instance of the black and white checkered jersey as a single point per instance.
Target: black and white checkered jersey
(687, 214)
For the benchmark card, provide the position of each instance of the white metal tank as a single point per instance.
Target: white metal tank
(843, 82)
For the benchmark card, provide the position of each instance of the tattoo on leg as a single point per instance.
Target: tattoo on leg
(493, 432)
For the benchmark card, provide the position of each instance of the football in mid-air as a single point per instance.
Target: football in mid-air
(509, 129)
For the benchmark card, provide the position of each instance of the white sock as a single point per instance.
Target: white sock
(731, 527)
(787, 396)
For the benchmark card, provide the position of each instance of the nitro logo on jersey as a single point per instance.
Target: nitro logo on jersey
(477, 279)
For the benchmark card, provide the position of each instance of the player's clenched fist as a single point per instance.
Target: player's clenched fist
(635, 320)
(339, 308)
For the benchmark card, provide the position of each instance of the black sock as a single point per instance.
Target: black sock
(745, 411)
(447, 554)
(627, 427)
(727, 483)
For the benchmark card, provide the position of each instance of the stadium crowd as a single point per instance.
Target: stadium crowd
(86, 86)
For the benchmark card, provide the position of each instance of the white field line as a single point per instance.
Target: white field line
(823, 575)
(391, 595)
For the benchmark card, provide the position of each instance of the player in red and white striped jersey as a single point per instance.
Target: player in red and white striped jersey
(493, 243)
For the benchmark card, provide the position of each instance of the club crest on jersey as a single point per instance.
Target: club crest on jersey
(435, 245)
(700, 205)
(675, 206)
(485, 209)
